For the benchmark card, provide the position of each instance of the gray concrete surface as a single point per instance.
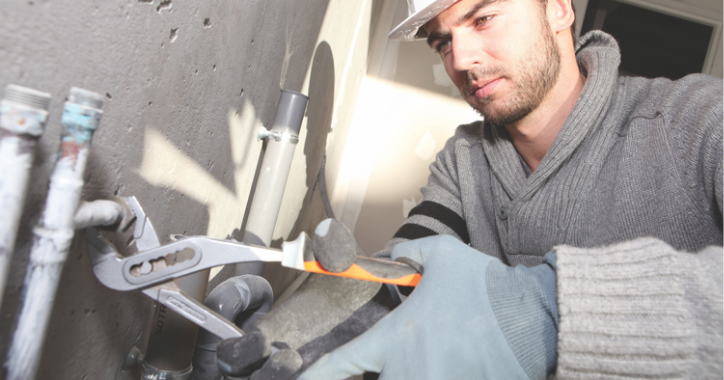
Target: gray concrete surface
(186, 85)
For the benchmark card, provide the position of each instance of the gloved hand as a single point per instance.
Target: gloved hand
(469, 317)
(323, 314)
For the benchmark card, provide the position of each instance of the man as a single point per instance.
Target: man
(596, 184)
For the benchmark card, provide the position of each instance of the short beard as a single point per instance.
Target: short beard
(536, 77)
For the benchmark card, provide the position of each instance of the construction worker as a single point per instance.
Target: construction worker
(554, 234)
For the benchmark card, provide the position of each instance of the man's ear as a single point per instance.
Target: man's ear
(560, 15)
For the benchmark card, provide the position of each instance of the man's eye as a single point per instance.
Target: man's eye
(481, 21)
(443, 47)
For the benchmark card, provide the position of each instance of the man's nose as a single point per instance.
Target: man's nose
(465, 54)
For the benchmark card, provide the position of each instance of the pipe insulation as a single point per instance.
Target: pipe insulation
(23, 113)
(54, 233)
(241, 299)
(277, 161)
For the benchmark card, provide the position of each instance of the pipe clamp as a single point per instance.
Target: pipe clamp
(276, 136)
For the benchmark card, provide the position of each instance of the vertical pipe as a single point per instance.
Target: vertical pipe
(54, 233)
(170, 347)
(23, 113)
(275, 166)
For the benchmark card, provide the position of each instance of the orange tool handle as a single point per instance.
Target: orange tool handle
(393, 272)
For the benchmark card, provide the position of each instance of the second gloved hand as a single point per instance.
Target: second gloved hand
(470, 317)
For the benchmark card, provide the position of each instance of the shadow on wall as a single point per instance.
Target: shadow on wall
(319, 123)
(262, 49)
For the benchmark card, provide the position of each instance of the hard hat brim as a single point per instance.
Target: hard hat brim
(409, 29)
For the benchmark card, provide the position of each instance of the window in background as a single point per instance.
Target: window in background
(656, 41)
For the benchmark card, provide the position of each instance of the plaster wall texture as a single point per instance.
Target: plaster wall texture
(187, 84)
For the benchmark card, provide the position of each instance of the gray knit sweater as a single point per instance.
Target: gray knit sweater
(637, 163)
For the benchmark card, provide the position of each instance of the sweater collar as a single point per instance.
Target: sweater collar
(598, 59)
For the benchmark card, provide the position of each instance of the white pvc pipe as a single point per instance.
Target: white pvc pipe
(275, 166)
(54, 233)
(23, 113)
(166, 352)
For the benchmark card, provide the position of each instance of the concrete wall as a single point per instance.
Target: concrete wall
(187, 84)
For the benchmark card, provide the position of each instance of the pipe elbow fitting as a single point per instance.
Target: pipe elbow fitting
(242, 298)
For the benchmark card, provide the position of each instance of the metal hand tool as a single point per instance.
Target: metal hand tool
(153, 268)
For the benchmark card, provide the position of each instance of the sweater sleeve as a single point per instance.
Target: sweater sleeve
(693, 109)
(639, 309)
(440, 211)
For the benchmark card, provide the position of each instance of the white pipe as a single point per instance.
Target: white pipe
(275, 166)
(98, 213)
(166, 352)
(23, 113)
(53, 235)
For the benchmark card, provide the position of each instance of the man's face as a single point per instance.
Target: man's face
(501, 54)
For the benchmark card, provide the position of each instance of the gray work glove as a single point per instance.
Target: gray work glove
(470, 317)
(323, 314)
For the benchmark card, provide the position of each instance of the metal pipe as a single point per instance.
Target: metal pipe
(267, 200)
(243, 299)
(169, 352)
(54, 233)
(23, 113)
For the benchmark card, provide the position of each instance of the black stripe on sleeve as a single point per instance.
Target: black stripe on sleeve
(413, 231)
(445, 216)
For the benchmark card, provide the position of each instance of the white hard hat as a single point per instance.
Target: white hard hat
(421, 11)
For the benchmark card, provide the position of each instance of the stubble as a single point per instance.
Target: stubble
(532, 79)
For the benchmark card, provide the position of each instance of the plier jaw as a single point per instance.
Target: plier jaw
(154, 267)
